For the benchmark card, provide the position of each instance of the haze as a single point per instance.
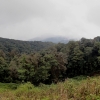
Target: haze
(27, 19)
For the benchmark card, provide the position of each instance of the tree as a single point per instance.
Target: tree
(3, 70)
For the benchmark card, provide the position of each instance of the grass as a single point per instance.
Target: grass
(78, 88)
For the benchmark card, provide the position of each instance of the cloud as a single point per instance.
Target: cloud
(19, 10)
(94, 15)
(27, 19)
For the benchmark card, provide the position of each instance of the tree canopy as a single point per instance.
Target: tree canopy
(38, 62)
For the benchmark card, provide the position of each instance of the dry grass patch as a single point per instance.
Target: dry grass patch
(71, 89)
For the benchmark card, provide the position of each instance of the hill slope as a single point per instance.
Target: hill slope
(8, 45)
(57, 39)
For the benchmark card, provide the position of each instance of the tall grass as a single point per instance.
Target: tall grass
(78, 88)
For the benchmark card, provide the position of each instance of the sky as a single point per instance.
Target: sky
(28, 19)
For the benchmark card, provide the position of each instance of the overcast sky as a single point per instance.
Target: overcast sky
(27, 19)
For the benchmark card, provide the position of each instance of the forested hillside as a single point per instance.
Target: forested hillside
(53, 64)
(9, 45)
(55, 39)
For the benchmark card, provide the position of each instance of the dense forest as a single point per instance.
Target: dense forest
(45, 62)
(9, 45)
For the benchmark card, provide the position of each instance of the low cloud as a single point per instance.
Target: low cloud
(22, 19)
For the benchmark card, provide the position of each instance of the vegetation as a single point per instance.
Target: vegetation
(25, 65)
(17, 46)
(78, 88)
(20, 61)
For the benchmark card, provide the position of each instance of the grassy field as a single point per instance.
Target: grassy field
(79, 88)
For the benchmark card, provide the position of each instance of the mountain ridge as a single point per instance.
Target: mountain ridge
(55, 39)
(7, 45)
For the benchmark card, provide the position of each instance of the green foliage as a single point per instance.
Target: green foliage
(7, 86)
(23, 61)
(79, 88)
(16, 46)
